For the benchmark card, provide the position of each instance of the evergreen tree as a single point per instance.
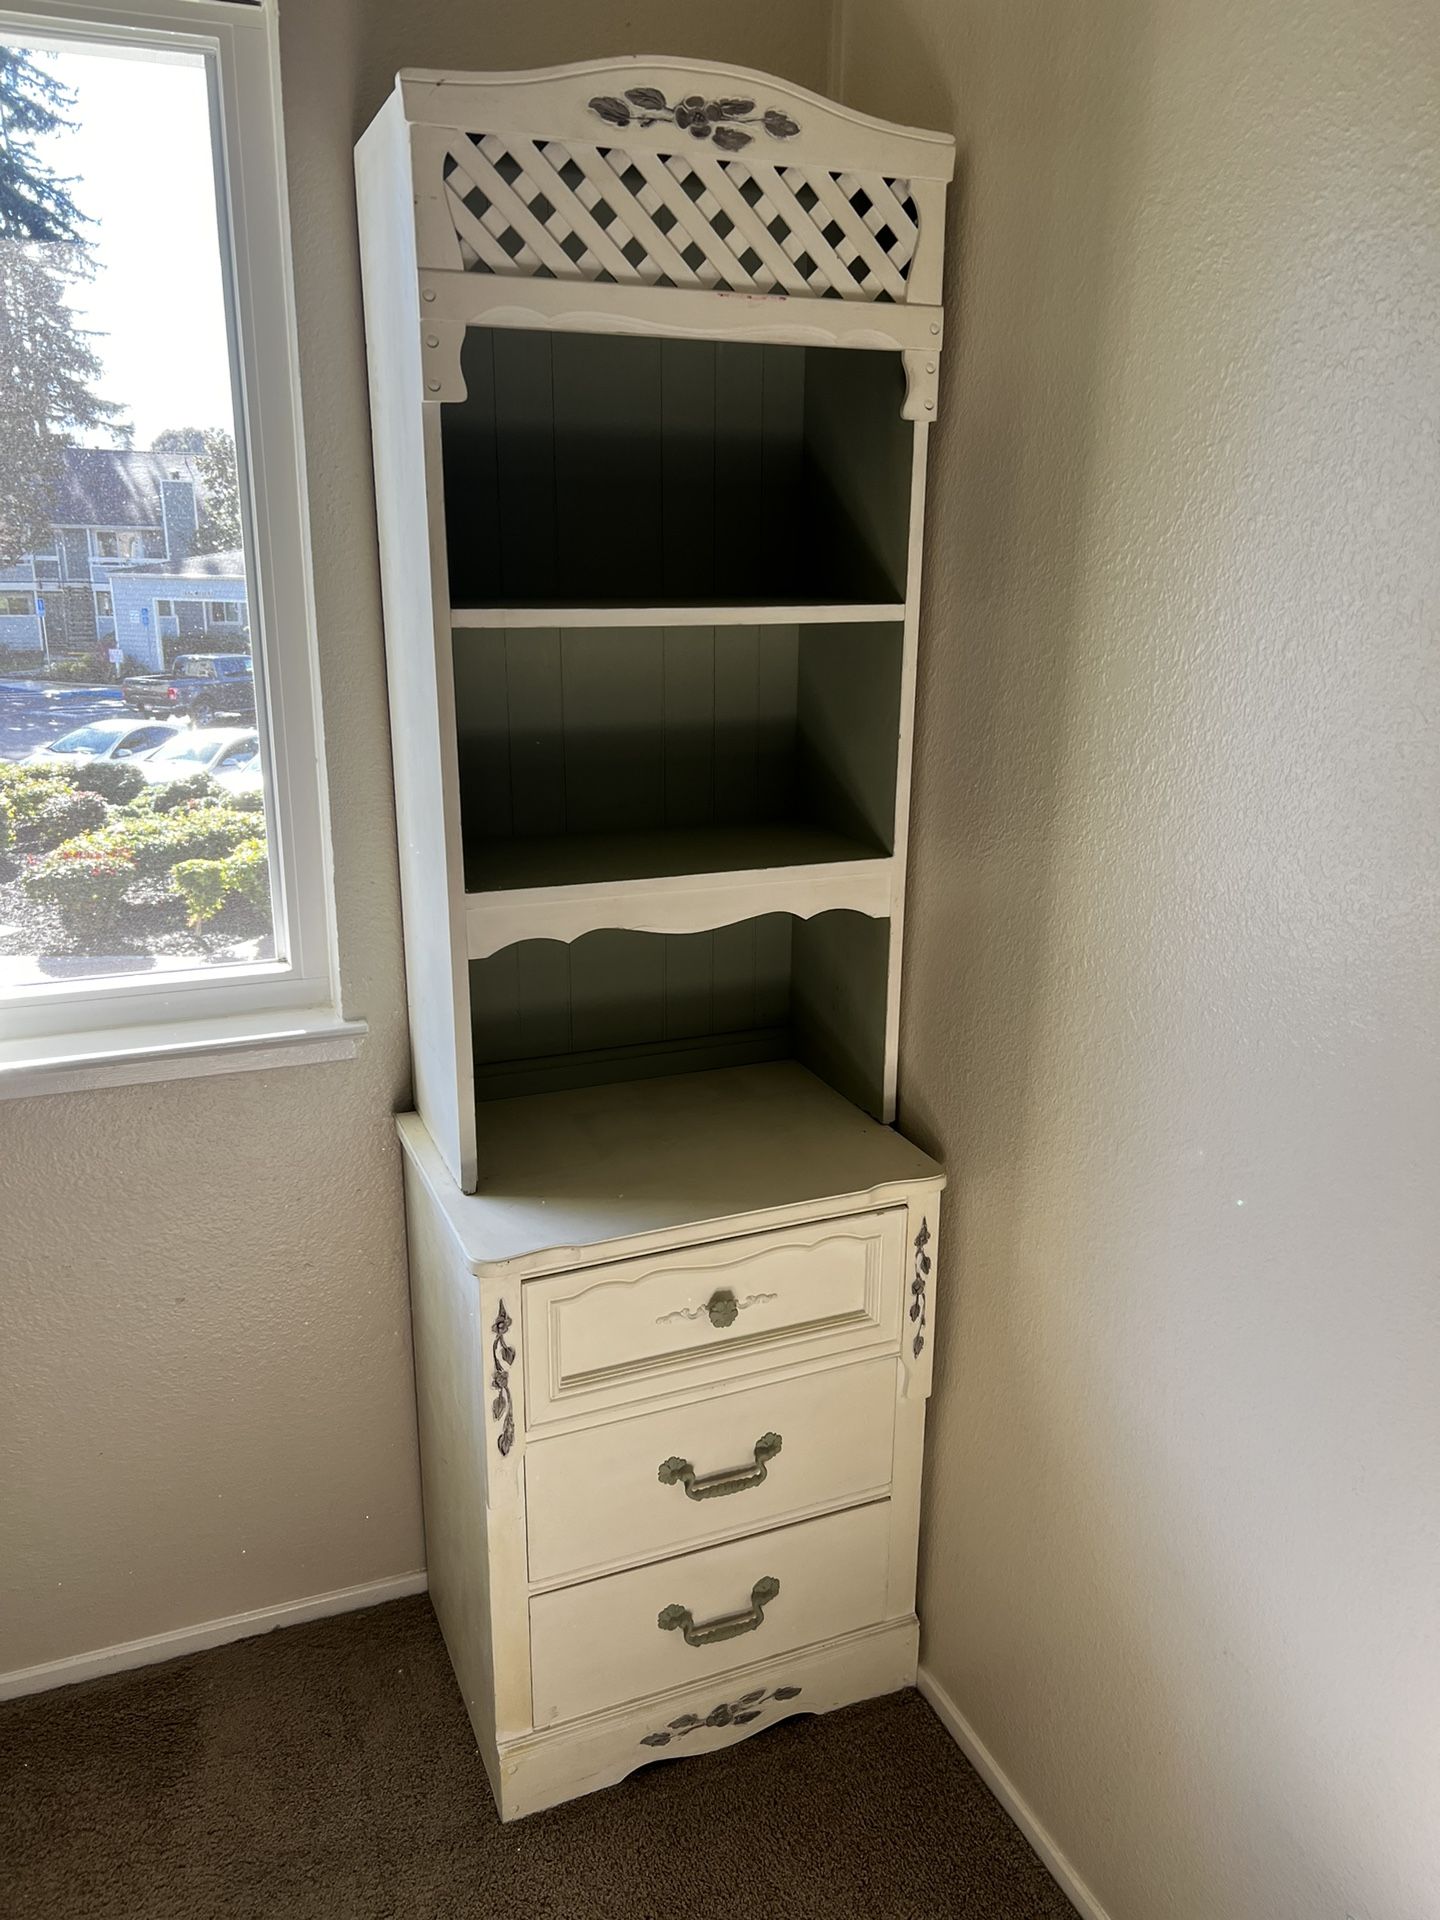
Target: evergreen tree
(35, 203)
(48, 368)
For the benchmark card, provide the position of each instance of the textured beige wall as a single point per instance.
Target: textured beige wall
(1172, 972)
(206, 1402)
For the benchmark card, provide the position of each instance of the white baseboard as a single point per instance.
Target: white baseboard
(1004, 1790)
(209, 1633)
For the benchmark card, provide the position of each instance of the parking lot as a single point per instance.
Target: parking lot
(31, 717)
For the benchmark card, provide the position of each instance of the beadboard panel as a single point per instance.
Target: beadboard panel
(596, 466)
(614, 730)
(618, 1004)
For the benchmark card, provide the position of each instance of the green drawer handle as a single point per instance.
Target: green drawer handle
(761, 1594)
(728, 1480)
(722, 1307)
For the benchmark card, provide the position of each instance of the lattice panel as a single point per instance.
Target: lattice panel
(551, 209)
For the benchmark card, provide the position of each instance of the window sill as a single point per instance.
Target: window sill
(237, 1043)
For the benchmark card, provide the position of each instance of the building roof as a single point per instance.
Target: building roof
(113, 487)
(229, 565)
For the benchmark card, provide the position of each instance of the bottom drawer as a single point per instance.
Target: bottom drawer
(642, 1632)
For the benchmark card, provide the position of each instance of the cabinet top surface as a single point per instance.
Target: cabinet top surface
(615, 1166)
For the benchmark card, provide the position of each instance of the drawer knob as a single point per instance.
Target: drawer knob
(729, 1625)
(722, 1308)
(728, 1479)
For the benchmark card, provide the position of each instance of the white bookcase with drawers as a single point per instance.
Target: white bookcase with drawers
(653, 354)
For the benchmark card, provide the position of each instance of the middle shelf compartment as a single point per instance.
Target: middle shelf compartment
(672, 778)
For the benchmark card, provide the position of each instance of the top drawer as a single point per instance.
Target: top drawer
(609, 1336)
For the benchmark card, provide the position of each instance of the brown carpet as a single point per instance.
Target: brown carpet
(329, 1771)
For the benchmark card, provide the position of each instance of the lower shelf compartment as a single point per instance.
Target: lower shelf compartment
(708, 1613)
(621, 1004)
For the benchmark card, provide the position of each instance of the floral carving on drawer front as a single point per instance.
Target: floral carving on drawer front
(502, 1358)
(918, 1283)
(735, 1713)
(724, 121)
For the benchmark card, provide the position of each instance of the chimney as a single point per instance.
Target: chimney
(182, 514)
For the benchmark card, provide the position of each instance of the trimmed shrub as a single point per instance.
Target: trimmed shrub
(80, 666)
(180, 793)
(86, 886)
(156, 842)
(28, 789)
(242, 878)
(63, 818)
(114, 780)
(4, 826)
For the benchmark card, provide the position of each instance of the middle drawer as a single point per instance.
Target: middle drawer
(663, 1482)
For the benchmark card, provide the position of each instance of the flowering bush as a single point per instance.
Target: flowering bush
(86, 885)
(242, 878)
(155, 842)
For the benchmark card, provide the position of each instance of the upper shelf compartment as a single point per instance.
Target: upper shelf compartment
(583, 469)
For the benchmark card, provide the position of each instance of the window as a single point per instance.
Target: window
(106, 955)
(87, 742)
(17, 604)
(140, 740)
(119, 546)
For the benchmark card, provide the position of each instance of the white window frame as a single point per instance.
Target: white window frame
(107, 1031)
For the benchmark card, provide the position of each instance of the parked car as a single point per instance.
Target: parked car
(103, 740)
(205, 686)
(213, 750)
(242, 776)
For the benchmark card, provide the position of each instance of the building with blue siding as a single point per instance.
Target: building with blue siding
(122, 570)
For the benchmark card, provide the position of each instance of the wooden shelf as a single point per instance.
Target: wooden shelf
(728, 613)
(676, 881)
(615, 1164)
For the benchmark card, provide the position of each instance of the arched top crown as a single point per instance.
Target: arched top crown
(662, 105)
(674, 176)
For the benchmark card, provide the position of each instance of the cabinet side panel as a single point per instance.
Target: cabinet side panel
(838, 1003)
(450, 1391)
(409, 506)
(849, 725)
(858, 450)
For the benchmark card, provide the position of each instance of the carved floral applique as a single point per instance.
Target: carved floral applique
(917, 1288)
(736, 1713)
(723, 120)
(502, 1357)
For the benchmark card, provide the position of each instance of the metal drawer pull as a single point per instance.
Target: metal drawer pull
(728, 1480)
(729, 1625)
